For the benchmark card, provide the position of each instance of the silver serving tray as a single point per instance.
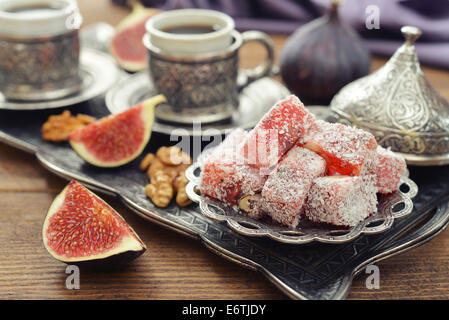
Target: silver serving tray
(390, 207)
(315, 271)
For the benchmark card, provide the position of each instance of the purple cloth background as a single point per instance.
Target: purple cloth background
(285, 16)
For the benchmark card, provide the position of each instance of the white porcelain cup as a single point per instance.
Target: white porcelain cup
(36, 18)
(190, 43)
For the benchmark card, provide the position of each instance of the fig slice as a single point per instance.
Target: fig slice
(80, 228)
(126, 46)
(116, 139)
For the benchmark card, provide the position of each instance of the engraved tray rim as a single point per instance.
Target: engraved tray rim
(238, 222)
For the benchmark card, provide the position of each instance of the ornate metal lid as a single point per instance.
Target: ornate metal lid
(400, 107)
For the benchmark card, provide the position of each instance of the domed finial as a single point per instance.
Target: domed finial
(411, 34)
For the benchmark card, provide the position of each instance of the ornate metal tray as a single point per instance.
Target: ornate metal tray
(390, 207)
(312, 271)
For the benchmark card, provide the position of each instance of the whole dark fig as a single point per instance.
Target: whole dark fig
(322, 56)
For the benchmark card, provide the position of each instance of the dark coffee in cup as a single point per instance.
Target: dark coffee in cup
(192, 29)
(36, 10)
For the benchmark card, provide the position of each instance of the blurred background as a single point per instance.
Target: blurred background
(377, 21)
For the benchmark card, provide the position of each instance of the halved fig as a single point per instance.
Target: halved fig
(80, 228)
(126, 46)
(116, 139)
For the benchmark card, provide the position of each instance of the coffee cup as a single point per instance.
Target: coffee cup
(193, 60)
(39, 49)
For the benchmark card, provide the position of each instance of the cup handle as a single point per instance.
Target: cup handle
(249, 75)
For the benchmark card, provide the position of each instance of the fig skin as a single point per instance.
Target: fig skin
(117, 261)
(321, 57)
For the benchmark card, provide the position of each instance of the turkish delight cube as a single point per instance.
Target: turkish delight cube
(227, 181)
(219, 181)
(225, 175)
(347, 150)
(389, 169)
(228, 147)
(286, 189)
(277, 132)
(341, 200)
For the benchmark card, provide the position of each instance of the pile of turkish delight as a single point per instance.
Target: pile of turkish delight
(292, 165)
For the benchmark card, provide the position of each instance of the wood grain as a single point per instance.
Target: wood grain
(174, 267)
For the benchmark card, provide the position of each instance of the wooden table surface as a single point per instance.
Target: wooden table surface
(174, 267)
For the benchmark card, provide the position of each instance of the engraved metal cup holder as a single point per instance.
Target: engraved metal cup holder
(390, 207)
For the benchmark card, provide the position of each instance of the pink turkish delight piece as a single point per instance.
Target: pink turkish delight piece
(229, 146)
(286, 189)
(219, 180)
(341, 200)
(233, 139)
(390, 167)
(347, 150)
(277, 132)
(225, 175)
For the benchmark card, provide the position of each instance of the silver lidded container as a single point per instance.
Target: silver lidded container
(399, 106)
(39, 49)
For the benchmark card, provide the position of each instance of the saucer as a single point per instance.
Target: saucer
(98, 72)
(254, 101)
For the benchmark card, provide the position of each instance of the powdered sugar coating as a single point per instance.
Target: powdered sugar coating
(286, 189)
(355, 166)
(252, 179)
(218, 180)
(347, 150)
(229, 146)
(277, 132)
(225, 175)
(341, 200)
(233, 139)
(389, 168)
